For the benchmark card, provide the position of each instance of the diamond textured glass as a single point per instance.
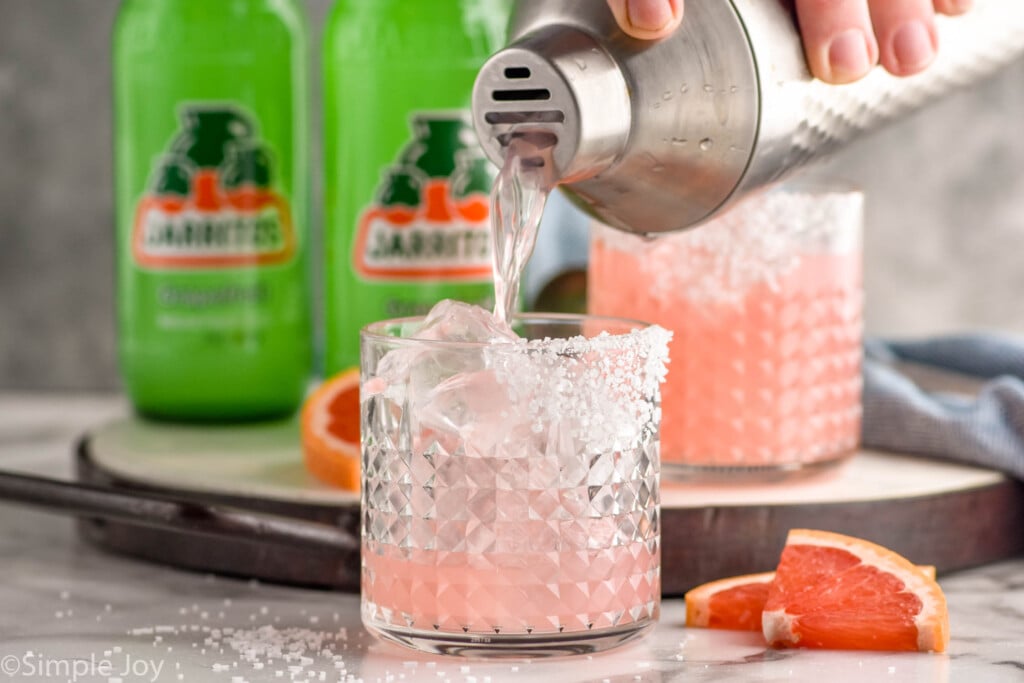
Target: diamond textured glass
(510, 487)
(765, 305)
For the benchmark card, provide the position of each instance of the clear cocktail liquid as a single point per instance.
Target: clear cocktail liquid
(510, 489)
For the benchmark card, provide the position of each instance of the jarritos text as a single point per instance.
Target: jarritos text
(210, 203)
(429, 220)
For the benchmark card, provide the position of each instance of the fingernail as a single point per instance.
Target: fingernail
(848, 55)
(649, 15)
(912, 46)
(959, 6)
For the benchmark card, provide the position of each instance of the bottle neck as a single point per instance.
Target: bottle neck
(204, 9)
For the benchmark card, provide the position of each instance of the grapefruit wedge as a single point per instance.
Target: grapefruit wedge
(330, 431)
(736, 603)
(838, 592)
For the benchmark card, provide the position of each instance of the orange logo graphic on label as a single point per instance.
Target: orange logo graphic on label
(211, 203)
(430, 218)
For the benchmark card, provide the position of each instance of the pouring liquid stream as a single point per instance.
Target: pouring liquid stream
(517, 205)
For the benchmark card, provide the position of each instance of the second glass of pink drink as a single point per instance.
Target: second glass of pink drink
(765, 305)
(510, 482)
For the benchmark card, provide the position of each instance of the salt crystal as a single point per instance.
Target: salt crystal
(263, 609)
(64, 595)
(59, 615)
(107, 608)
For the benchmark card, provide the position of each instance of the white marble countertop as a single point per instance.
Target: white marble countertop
(71, 612)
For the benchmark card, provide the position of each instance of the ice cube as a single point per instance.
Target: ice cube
(461, 322)
(420, 368)
(468, 407)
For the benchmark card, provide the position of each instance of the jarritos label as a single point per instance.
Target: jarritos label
(430, 217)
(211, 202)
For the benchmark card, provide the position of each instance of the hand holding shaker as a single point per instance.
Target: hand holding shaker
(660, 136)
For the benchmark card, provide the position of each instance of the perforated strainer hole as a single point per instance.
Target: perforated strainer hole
(517, 73)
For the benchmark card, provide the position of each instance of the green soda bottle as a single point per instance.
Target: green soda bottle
(211, 190)
(406, 185)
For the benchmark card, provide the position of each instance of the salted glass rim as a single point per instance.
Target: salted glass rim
(376, 332)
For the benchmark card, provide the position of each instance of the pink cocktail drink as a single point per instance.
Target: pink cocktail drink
(765, 306)
(510, 484)
(488, 591)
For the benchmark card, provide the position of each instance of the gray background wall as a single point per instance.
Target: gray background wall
(945, 220)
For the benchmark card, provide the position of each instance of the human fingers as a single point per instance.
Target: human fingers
(838, 40)
(647, 19)
(953, 7)
(906, 34)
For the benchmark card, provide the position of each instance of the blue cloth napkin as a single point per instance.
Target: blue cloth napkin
(986, 429)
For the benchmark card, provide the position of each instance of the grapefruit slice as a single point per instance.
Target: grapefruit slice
(736, 603)
(838, 592)
(330, 431)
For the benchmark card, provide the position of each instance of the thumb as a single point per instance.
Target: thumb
(647, 19)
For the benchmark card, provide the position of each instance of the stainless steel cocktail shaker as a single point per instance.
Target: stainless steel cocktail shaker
(659, 136)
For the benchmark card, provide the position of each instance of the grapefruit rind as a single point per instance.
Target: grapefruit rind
(932, 622)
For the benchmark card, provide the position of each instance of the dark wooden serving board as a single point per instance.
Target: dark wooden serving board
(933, 513)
